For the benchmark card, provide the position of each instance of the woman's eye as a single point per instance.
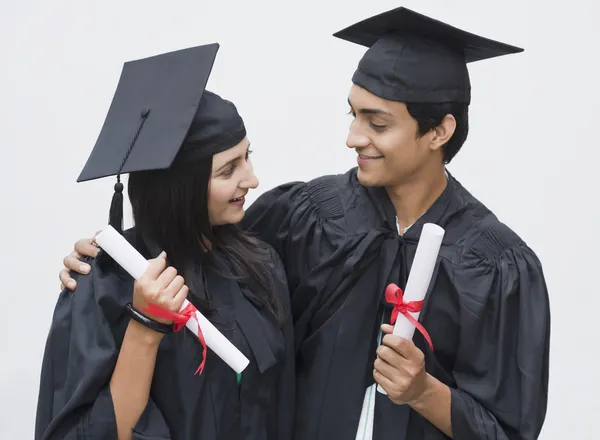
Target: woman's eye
(228, 172)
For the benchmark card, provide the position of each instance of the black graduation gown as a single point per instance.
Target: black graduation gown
(487, 310)
(83, 344)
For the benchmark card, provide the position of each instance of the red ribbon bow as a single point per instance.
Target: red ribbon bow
(395, 296)
(179, 321)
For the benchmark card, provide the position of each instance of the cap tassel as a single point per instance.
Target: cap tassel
(115, 217)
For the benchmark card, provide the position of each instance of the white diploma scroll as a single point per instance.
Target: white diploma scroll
(135, 264)
(419, 277)
(416, 288)
(367, 416)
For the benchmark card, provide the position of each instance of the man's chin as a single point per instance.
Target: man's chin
(369, 178)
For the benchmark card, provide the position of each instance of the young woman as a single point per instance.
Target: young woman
(112, 371)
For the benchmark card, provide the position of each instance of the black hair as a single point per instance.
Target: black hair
(430, 116)
(170, 207)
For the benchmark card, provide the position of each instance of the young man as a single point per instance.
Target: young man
(345, 238)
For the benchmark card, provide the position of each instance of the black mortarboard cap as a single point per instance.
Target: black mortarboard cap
(161, 112)
(414, 58)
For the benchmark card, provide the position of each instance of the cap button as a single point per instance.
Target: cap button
(145, 112)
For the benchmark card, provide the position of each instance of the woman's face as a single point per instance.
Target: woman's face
(231, 179)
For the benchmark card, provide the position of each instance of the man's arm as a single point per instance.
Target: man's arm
(268, 217)
(501, 364)
(502, 361)
(435, 405)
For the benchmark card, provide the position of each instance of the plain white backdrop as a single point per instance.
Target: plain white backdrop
(531, 155)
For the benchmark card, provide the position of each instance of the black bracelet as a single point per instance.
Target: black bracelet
(148, 322)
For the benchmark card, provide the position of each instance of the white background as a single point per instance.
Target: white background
(531, 155)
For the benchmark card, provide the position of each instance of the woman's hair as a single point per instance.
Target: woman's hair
(170, 207)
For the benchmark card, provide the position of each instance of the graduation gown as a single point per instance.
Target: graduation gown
(83, 345)
(487, 309)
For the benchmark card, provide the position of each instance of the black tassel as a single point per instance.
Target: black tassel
(115, 217)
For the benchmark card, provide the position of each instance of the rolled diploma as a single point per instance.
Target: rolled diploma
(135, 264)
(419, 278)
(367, 416)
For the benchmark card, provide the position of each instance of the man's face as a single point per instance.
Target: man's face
(385, 137)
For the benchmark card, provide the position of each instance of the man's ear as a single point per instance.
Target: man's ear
(441, 134)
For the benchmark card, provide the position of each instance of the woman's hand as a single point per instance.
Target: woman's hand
(160, 285)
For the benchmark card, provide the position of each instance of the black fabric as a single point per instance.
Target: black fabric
(216, 127)
(161, 107)
(406, 68)
(83, 345)
(487, 310)
(415, 58)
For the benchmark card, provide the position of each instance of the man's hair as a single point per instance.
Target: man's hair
(429, 116)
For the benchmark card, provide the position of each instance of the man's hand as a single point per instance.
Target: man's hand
(83, 248)
(400, 368)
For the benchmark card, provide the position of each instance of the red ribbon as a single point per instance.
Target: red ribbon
(395, 296)
(179, 321)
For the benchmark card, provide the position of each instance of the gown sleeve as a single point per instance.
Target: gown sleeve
(271, 214)
(74, 399)
(304, 223)
(501, 369)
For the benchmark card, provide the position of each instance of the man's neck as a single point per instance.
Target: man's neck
(412, 199)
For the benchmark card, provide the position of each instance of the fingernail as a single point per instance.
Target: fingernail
(84, 268)
(163, 254)
(71, 284)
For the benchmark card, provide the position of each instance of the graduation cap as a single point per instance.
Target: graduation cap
(414, 58)
(162, 115)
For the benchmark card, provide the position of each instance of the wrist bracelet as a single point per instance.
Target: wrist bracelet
(148, 322)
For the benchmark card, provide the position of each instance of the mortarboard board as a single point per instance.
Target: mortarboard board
(414, 58)
(161, 113)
